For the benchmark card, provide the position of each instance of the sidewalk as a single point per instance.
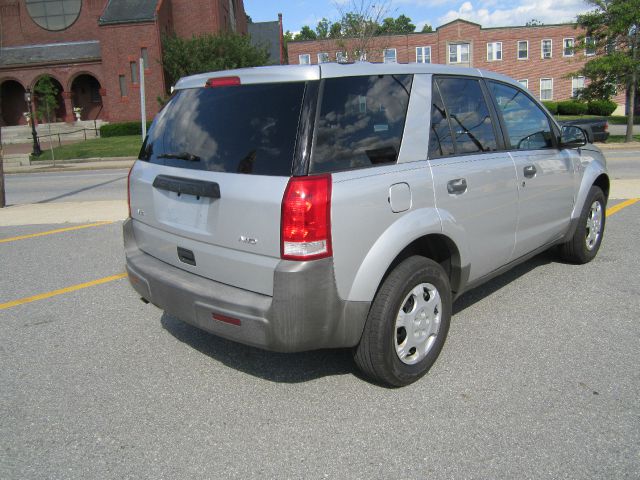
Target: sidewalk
(63, 212)
(72, 165)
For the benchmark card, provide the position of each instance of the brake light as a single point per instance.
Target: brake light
(306, 218)
(223, 82)
(606, 126)
(129, 190)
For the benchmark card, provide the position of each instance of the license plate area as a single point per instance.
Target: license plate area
(183, 210)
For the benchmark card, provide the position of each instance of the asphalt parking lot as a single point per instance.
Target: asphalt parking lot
(538, 379)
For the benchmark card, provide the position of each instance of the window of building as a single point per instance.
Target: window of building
(468, 114)
(494, 51)
(361, 122)
(304, 59)
(54, 14)
(523, 49)
(134, 72)
(590, 46)
(459, 53)
(527, 125)
(567, 47)
(423, 54)
(341, 57)
(362, 56)
(122, 80)
(546, 89)
(524, 82)
(323, 57)
(577, 84)
(546, 48)
(144, 55)
(389, 55)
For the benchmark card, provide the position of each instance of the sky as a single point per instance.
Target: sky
(488, 13)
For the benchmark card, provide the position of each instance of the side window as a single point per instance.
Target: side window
(468, 114)
(361, 122)
(527, 125)
(440, 139)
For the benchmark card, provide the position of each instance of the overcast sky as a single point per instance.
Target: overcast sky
(488, 13)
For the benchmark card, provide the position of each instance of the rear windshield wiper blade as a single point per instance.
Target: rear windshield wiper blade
(181, 156)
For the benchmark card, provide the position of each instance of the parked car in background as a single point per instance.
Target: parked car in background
(301, 207)
(597, 128)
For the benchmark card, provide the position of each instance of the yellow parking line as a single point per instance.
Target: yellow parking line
(73, 288)
(619, 206)
(51, 232)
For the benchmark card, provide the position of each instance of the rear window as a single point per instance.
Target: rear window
(247, 129)
(361, 122)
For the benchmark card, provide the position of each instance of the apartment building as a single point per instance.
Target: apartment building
(542, 58)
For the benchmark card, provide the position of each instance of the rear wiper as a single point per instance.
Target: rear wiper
(181, 156)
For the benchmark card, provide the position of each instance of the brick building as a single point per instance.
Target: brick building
(91, 49)
(540, 57)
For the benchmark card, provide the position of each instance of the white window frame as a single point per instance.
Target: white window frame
(362, 56)
(574, 88)
(342, 57)
(395, 55)
(550, 47)
(587, 41)
(323, 57)
(526, 42)
(306, 56)
(524, 82)
(423, 55)
(551, 96)
(458, 52)
(495, 51)
(564, 47)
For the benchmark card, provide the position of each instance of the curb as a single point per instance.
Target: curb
(618, 146)
(73, 165)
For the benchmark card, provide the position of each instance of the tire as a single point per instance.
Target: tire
(397, 348)
(583, 246)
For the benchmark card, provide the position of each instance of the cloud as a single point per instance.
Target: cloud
(516, 13)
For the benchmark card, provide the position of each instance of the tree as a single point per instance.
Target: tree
(427, 28)
(286, 38)
(46, 98)
(323, 28)
(534, 22)
(208, 53)
(360, 22)
(306, 34)
(401, 25)
(613, 31)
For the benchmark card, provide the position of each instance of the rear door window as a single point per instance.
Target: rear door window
(361, 122)
(248, 129)
(468, 115)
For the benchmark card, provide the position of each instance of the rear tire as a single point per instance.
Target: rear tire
(583, 246)
(407, 324)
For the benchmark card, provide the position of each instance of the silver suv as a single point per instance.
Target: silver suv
(302, 207)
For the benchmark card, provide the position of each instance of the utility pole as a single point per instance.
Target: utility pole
(143, 109)
(3, 202)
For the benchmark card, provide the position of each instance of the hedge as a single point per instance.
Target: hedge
(551, 106)
(601, 107)
(122, 129)
(572, 107)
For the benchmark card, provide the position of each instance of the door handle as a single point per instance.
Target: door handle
(457, 186)
(530, 171)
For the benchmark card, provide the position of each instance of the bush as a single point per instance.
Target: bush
(122, 129)
(551, 106)
(601, 107)
(572, 107)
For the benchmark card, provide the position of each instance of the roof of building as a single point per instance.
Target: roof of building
(129, 11)
(266, 34)
(50, 53)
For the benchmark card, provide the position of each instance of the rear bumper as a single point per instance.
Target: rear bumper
(305, 312)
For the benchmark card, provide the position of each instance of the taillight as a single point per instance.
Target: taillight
(129, 190)
(306, 218)
(223, 82)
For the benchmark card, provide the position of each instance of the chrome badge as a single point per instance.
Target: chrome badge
(247, 240)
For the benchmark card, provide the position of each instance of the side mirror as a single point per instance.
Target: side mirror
(573, 137)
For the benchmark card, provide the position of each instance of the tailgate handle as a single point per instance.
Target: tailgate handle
(186, 256)
(190, 186)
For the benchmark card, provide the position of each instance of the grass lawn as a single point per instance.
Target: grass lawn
(128, 146)
(613, 120)
(620, 138)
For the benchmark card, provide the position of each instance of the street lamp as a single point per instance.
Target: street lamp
(36, 145)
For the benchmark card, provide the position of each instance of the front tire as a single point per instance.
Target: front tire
(583, 246)
(407, 324)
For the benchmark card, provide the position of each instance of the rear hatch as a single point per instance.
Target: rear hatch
(206, 194)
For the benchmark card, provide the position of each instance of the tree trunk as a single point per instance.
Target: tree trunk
(2, 196)
(633, 85)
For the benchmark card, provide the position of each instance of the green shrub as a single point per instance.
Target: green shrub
(572, 107)
(601, 107)
(122, 129)
(551, 106)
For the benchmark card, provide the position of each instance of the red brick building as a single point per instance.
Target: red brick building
(541, 57)
(92, 49)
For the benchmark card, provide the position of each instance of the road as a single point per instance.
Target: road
(538, 379)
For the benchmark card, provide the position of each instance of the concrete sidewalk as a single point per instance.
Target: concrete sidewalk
(71, 165)
(63, 212)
